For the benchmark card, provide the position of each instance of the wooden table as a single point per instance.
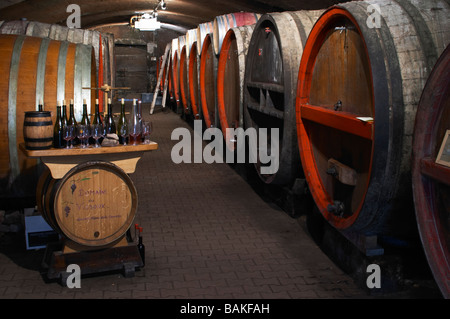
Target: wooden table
(122, 255)
(62, 160)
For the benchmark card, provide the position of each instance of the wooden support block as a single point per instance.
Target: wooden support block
(346, 175)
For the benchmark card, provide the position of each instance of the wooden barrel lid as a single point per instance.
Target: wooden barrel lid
(95, 203)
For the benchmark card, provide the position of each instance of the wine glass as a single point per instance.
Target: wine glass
(97, 132)
(123, 132)
(135, 132)
(81, 134)
(68, 135)
(146, 130)
(88, 134)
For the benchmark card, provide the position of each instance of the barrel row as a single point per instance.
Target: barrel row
(343, 86)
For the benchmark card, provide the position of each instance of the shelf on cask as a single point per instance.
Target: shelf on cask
(61, 161)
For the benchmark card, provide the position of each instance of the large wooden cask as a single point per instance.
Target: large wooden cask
(431, 171)
(230, 80)
(34, 70)
(103, 44)
(359, 84)
(225, 22)
(270, 85)
(208, 79)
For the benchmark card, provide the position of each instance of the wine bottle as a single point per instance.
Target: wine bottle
(72, 121)
(135, 125)
(122, 121)
(110, 125)
(141, 246)
(97, 118)
(58, 140)
(40, 106)
(85, 119)
(64, 114)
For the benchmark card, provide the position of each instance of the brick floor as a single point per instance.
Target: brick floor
(207, 235)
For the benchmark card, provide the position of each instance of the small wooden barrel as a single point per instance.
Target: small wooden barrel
(431, 171)
(230, 79)
(208, 77)
(38, 130)
(358, 89)
(93, 205)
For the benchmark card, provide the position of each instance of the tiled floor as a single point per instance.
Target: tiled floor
(207, 235)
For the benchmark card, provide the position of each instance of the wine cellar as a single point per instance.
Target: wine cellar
(231, 150)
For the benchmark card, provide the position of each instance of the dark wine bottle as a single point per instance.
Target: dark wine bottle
(97, 118)
(40, 106)
(58, 140)
(64, 114)
(73, 121)
(110, 125)
(85, 119)
(141, 246)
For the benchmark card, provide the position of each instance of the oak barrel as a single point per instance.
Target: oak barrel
(102, 43)
(202, 30)
(38, 130)
(176, 73)
(93, 205)
(270, 84)
(230, 79)
(194, 65)
(359, 84)
(223, 23)
(208, 78)
(35, 69)
(431, 171)
(184, 80)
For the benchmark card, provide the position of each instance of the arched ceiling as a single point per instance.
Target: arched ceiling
(183, 13)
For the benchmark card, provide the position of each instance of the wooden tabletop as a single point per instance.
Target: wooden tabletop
(88, 151)
(61, 160)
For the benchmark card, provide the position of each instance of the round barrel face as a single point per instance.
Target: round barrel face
(431, 171)
(335, 116)
(228, 76)
(207, 82)
(184, 85)
(265, 93)
(193, 80)
(95, 204)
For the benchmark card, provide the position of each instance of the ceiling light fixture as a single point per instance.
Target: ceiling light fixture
(147, 21)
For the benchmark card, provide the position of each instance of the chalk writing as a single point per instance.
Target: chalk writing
(91, 192)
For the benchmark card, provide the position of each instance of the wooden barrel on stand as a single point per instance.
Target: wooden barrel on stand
(358, 88)
(93, 205)
(431, 171)
(230, 80)
(270, 85)
(36, 69)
